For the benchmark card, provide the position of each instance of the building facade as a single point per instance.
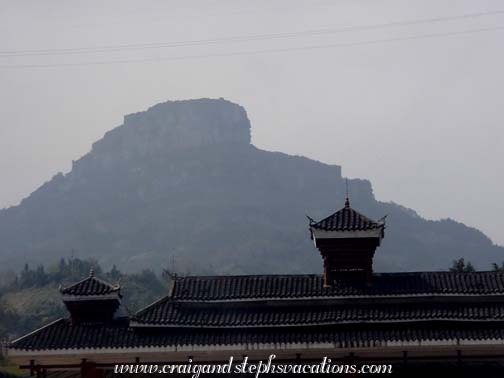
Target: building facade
(415, 320)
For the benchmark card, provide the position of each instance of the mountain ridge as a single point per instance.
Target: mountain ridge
(181, 184)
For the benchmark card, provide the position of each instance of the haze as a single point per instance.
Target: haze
(416, 107)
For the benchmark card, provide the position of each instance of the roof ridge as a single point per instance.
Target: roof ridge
(36, 331)
(75, 284)
(347, 219)
(250, 275)
(289, 275)
(166, 298)
(115, 286)
(92, 282)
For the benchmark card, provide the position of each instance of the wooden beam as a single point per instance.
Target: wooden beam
(454, 357)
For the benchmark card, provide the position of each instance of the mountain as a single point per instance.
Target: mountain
(180, 186)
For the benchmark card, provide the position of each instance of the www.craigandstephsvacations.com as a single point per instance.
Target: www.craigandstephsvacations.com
(255, 368)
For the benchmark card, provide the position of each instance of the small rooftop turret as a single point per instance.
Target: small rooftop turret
(347, 241)
(91, 300)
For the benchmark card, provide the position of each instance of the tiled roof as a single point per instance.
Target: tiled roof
(90, 286)
(258, 287)
(281, 309)
(174, 314)
(62, 335)
(346, 219)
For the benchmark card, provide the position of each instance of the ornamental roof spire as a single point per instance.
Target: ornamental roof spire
(347, 203)
(347, 199)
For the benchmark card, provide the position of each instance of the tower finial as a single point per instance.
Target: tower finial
(91, 272)
(347, 200)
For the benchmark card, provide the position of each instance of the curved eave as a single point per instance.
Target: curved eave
(12, 344)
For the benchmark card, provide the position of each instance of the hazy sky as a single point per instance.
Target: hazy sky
(416, 107)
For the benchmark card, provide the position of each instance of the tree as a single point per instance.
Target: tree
(138, 289)
(7, 278)
(8, 320)
(461, 266)
(114, 274)
(498, 268)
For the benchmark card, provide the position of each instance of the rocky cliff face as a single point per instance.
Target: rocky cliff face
(175, 125)
(181, 182)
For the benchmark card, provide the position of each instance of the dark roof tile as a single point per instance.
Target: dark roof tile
(258, 287)
(346, 219)
(175, 314)
(90, 286)
(62, 335)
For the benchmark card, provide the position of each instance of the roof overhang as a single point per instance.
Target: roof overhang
(324, 234)
(448, 347)
(318, 234)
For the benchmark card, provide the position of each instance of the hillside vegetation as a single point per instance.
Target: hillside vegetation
(32, 299)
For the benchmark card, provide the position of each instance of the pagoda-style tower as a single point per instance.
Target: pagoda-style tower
(91, 300)
(347, 241)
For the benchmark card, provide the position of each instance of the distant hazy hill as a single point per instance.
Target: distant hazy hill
(181, 184)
